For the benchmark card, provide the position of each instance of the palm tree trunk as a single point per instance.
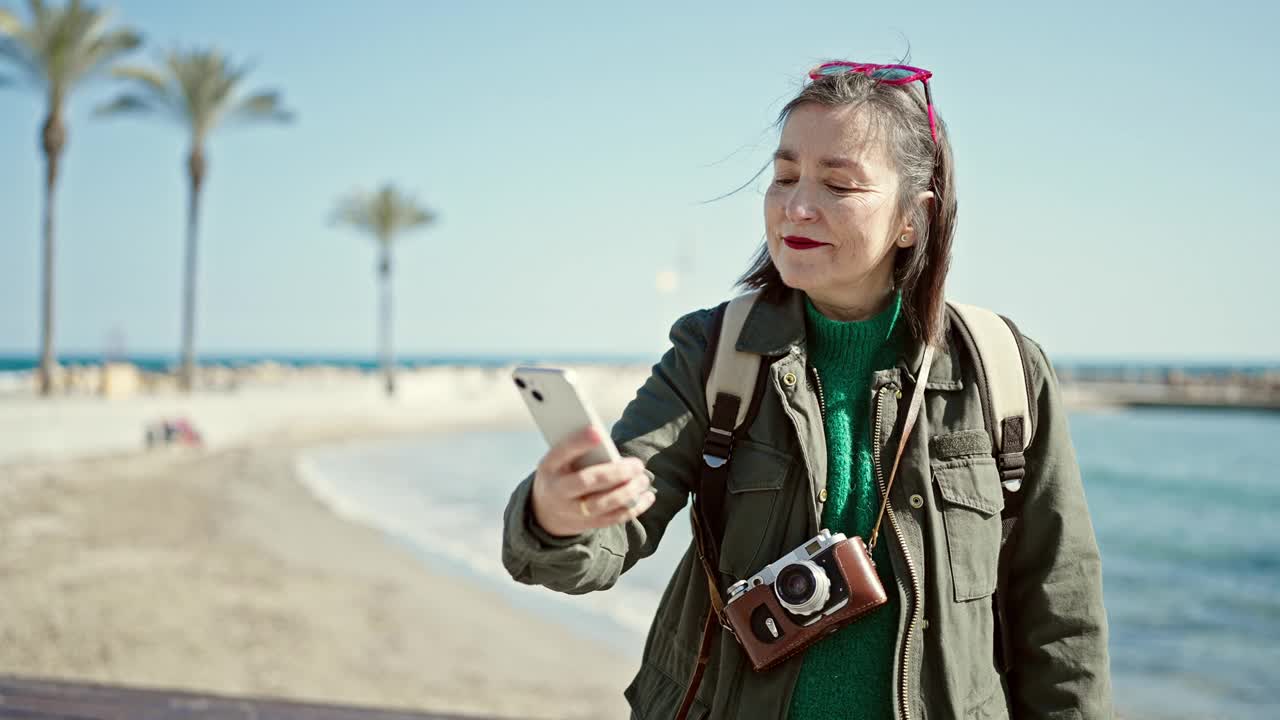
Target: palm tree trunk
(384, 325)
(53, 138)
(196, 168)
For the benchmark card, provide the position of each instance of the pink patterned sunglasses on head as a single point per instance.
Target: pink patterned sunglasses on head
(887, 74)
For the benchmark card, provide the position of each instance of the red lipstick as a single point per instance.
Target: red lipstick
(798, 242)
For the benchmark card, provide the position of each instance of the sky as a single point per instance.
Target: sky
(1114, 166)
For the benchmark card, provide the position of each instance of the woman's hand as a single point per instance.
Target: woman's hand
(568, 502)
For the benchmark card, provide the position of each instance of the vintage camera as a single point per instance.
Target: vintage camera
(821, 586)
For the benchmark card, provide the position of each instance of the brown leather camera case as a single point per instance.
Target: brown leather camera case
(866, 593)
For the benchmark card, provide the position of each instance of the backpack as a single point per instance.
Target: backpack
(735, 382)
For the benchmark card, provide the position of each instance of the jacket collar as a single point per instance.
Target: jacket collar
(778, 328)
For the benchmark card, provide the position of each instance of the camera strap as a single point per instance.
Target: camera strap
(715, 614)
(917, 399)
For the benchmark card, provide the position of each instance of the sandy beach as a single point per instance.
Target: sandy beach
(216, 570)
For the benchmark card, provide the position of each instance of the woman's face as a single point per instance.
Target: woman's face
(830, 210)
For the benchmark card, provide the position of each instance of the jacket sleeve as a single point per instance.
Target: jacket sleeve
(1058, 625)
(664, 426)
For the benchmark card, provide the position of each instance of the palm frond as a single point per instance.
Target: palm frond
(41, 17)
(16, 48)
(151, 87)
(62, 47)
(206, 79)
(354, 210)
(9, 23)
(37, 9)
(408, 216)
(152, 80)
(201, 89)
(66, 46)
(108, 47)
(383, 214)
(126, 105)
(264, 106)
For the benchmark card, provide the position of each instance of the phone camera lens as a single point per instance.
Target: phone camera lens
(520, 383)
(537, 396)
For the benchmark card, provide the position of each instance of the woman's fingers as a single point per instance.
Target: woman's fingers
(600, 478)
(642, 502)
(626, 497)
(563, 454)
(567, 502)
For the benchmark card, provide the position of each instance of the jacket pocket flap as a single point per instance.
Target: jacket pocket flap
(973, 483)
(755, 467)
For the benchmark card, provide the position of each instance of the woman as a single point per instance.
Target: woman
(859, 218)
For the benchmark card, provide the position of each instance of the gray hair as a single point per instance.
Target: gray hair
(899, 115)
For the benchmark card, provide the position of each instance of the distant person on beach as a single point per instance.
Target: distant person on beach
(850, 318)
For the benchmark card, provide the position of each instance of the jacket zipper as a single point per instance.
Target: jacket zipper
(822, 398)
(893, 521)
(911, 568)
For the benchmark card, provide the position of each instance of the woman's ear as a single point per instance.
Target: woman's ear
(907, 236)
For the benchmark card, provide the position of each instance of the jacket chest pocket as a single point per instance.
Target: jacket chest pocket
(753, 503)
(971, 500)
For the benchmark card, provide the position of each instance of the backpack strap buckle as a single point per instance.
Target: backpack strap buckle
(1010, 460)
(718, 444)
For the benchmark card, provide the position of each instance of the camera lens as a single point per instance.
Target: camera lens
(803, 588)
(795, 584)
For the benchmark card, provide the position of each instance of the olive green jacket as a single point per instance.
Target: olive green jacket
(943, 532)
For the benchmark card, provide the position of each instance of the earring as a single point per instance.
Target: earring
(902, 241)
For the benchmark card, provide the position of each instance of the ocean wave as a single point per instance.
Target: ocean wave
(468, 537)
(15, 381)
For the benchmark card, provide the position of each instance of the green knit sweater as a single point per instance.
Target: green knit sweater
(850, 674)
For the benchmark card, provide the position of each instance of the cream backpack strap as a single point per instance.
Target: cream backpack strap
(1005, 387)
(731, 383)
(1009, 411)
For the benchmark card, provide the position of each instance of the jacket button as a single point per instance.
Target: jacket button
(917, 502)
(789, 379)
(897, 394)
(822, 495)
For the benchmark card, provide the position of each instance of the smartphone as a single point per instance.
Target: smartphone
(560, 409)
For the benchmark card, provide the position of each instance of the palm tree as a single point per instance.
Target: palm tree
(200, 89)
(57, 51)
(384, 215)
